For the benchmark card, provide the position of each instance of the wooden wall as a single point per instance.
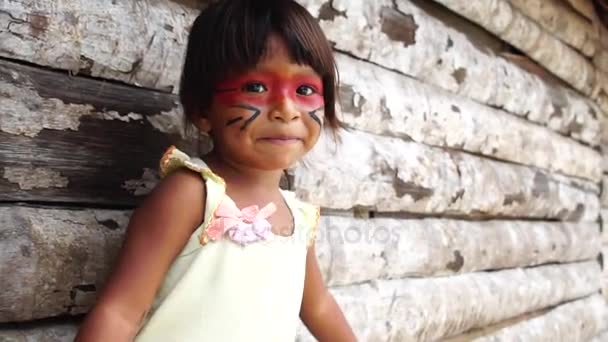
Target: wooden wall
(463, 203)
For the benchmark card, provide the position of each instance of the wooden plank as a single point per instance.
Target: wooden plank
(431, 309)
(444, 57)
(604, 278)
(604, 224)
(383, 102)
(502, 19)
(474, 334)
(53, 331)
(139, 43)
(601, 337)
(354, 250)
(604, 192)
(567, 25)
(578, 320)
(364, 171)
(55, 260)
(144, 45)
(584, 7)
(71, 139)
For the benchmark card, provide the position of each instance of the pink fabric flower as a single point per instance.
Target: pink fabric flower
(242, 226)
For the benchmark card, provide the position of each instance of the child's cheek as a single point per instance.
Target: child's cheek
(309, 103)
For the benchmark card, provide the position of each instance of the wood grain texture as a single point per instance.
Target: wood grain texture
(431, 309)
(507, 22)
(352, 250)
(55, 260)
(143, 44)
(579, 320)
(444, 57)
(364, 171)
(72, 139)
(386, 103)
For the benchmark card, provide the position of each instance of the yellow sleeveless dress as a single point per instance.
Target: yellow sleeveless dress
(220, 291)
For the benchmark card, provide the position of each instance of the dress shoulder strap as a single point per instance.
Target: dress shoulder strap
(174, 159)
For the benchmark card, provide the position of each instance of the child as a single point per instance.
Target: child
(218, 252)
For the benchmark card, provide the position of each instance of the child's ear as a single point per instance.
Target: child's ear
(203, 124)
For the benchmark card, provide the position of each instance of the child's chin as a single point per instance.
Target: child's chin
(274, 163)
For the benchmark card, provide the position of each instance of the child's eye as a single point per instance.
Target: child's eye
(305, 90)
(254, 87)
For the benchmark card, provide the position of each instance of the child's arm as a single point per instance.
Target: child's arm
(320, 312)
(157, 232)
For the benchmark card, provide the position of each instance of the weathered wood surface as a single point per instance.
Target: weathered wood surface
(434, 308)
(579, 320)
(425, 180)
(584, 7)
(53, 261)
(144, 43)
(604, 261)
(105, 161)
(601, 337)
(473, 334)
(604, 192)
(604, 224)
(383, 102)
(71, 139)
(39, 332)
(569, 26)
(139, 42)
(502, 19)
(354, 250)
(404, 38)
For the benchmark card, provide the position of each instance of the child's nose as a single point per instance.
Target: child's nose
(284, 110)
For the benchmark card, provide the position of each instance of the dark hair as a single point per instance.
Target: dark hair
(230, 36)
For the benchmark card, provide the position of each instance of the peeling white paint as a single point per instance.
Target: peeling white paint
(430, 309)
(114, 115)
(25, 112)
(578, 320)
(144, 185)
(35, 178)
(170, 122)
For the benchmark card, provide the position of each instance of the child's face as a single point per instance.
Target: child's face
(270, 116)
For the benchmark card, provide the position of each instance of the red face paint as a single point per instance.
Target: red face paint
(264, 90)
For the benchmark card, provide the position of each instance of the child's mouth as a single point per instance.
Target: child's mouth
(280, 140)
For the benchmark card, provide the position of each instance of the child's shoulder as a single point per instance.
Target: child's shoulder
(174, 160)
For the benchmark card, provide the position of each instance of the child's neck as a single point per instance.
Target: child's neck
(241, 175)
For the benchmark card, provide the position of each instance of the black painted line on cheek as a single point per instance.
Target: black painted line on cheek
(256, 113)
(314, 116)
(231, 121)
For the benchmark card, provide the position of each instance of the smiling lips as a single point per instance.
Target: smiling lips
(281, 140)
